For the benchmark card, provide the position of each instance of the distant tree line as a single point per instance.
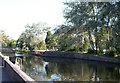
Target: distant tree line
(91, 27)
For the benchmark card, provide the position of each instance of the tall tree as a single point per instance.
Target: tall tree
(4, 39)
(49, 40)
(99, 22)
(31, 38)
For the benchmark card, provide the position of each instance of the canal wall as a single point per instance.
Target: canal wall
(73, 55)
(15, 73)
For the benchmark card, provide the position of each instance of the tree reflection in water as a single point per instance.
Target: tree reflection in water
(45, 69)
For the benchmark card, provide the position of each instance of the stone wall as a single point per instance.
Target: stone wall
(74, 55)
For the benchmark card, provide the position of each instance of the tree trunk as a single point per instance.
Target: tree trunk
(90, 39)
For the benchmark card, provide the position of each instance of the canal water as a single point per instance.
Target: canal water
(57, 69)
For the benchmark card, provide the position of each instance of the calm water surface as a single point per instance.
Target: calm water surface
(54, 69)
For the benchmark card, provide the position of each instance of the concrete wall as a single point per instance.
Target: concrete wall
(15, 73)
(74, 55)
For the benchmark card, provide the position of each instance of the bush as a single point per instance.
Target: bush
(86, 45)
(71, 50)
(90, 51)
(100, 52)
(111, 52)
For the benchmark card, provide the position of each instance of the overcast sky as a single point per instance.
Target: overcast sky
(15, 14)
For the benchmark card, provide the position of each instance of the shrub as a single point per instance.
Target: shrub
(100, 52)
(111, 52)
(71, 50)
(90, 51)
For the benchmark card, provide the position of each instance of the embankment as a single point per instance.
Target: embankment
(73, 55)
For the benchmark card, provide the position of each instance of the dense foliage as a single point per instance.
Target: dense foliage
(90, 26)
(31, 38)
(6, 41)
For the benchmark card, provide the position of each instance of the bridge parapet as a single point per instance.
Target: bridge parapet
(15, 73)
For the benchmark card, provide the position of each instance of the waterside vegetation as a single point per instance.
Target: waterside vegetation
(90, 27)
